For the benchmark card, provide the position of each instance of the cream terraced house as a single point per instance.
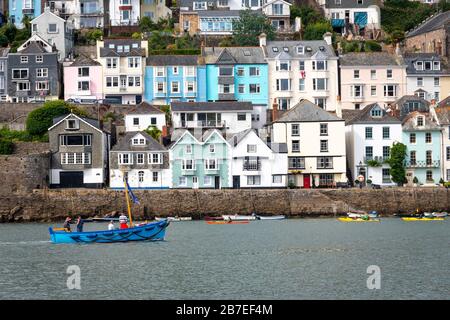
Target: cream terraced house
(371, 77)
(123, 64)
(315, 142)
(302, 70)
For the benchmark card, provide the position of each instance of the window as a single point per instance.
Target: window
(301, 65)
(253, 180)
(226, 88)
(254, 88)
(199, 5)
(386, 133)
(419, 81)
(52, 28)
(138, 141)
(42, 85)
(207, 180)
(283, 103)
(319, 65)
(160, 71)
(20, 73)
(83, 72)
(212, 148)
(295, 129)
(23, 86)
(75, 140)
(419, 65)
(241, 88)
(134, 62)
(296, 163)
(412, 138)
(324, 129)
(155, 176)
(226, 71)
(182, 181)
(42, 72)
(39, 59)
(24, 59)
(448, 175)
(323, 145)
(188, 164)
(283, 66)
(320, 84)
(242, 116)
(436, 65)
(211, 164)
(428, 137)
(190, 71)
(390, 90)
(175, 87)
(369, 152)
(125, 158)
(112, 82)
(240, 72)
(324, 163)
(72, 124)
(188, 149)
(251, 148)
(255, 117)
(153, 121)
(141, 176)
(111, 63)
(376, 112)
(135, 121)
(295, 146)
(389, 73)
(357, 106)
(356, 74)
(420, 121)
(277, 9)
(430, 176)
(447, 155)
(76, 158)
(190, 86)
(386, 175)
(386, 152)
(155, 158)
(160, 87)
(254, 71)
(321, 102)
(140, 158)
(283, 84)
(301, 84)
(277, 178)
(301, 50)
(369, 132)
(436, 82)
(412, 158)
(373, 74)
(175, 70)
(357, 91)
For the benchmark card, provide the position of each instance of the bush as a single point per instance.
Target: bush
(316, 30)
(415, 180)
(3, 40)
(372, 46)
(6, 146)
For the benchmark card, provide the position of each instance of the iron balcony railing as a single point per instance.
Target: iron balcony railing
(423, 164)
(379, 159)
(203, 124)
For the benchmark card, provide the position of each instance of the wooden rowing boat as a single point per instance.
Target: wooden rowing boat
(226, 222)
(423, 219)
(236, 217)
(279, 217)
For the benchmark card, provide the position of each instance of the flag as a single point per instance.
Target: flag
(132, 196)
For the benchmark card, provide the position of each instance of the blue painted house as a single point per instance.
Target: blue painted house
(422, 137)
(174, 78)
(238, 74)
(20, 8)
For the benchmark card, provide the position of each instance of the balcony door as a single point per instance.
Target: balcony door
(194, 182)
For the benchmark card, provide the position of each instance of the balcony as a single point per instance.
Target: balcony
(252, 166)
(423, 164)
(378, 159)
(28, 11)
(203, 124)
(188, 172)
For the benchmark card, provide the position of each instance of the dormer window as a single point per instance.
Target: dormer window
(419, 65)
(420, 121)
(199, 5)
(376, 112)
(111, 46)
(285, 49)
(436, 65)
(300, 50)
(72, 124)
(427, 65)
(338, 2)
(274, 49)
(138, 141)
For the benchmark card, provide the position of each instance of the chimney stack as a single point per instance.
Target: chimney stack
(262, 40)
(328, 38)
(274, 112)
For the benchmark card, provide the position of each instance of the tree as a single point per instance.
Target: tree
(316, 30)
(40, 119)
(6, 146)
(154, 132)
(397, 163)
(307, 14)
(249, 26)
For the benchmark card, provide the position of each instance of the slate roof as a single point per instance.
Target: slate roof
(444, 102)
(411, 58)
(234, 55)
(134, 52)
(144, 108)
(172, 60)
(236, 138)
(219, 13)
(33, 47)
(371, 59)
(124, 143)
(306, 111)
(314, 45)
(348, 115)
(211, 106)
(351, 4)
(433, 23)
(92, 122)
(443, 114)
(364, 116)
(83, 61)
(409, 123)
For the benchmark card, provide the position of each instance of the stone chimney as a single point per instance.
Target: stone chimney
(297, 24)
(433, 111)
(328, 38)
(274, 112)
(262, 40)
(338, 107)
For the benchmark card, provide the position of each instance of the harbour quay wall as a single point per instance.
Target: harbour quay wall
(46, 205)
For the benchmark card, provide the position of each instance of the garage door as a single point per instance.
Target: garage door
(71, 179)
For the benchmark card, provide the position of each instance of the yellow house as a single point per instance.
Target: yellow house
(155, 9)
(445, 86)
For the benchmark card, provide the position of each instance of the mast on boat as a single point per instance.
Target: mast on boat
(127, 196)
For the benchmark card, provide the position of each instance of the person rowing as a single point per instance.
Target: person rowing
(66, 224)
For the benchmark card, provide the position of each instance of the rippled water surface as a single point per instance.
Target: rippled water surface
(291, 259)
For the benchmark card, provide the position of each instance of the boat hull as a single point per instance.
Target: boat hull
(357, 220)
(270, 217)
(227, 222)
(238, 218)
(154, 231)
(423, 219)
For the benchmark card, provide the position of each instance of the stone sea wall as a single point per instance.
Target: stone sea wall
(54, 205)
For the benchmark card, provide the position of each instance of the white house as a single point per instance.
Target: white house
(315, 142)
(144, 115)
(124, 12)
(255, 164)
(369, 135)
(142, 160)
(228, 116)
(443, 116)
(278, 12)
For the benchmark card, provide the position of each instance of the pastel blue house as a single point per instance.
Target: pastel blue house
(240, 74)
(201, 161)
(422, 137)
(174, 78)
(20, 8)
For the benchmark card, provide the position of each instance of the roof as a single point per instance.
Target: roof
(83, 61)
(371, 59)
(236, 138)
(218, 13)
(33, 47)
(444, 102)
(411, 58)
(306, 111)
(234, 55)
(409, 123)
(4, 52)
(211, 106)
(351, 4)
(134, 52)
(45, 14)
(434, 22)
(92, 122)
(144, 108)
(364, 116)
(198, 135)
(410, 98)
(443, 114)
(348, 115)
(278, 147)
(311, 48)
(172, 60)
(124, 143)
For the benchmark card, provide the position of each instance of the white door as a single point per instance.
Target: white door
(195, 182)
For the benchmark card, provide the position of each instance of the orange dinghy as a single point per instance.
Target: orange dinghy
(226, 222)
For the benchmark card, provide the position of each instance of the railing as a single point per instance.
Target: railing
(375, 158)
(423, 164)
(252, 166)
(202, 124)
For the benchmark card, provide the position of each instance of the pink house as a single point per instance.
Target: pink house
(375, 77)
(83, 81)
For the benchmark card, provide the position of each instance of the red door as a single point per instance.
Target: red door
(306, 181)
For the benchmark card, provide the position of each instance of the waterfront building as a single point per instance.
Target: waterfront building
(174, 78)
(34, 72)
(18, 9)
(144, 115)
(79, 152)
(371, 77)
(369, 135)
(227, 116)
(255, 164)
(279, 13)
(353, 17)
(123, 64)
(155, 10)
(200, 160)
(142, 160)
(407, 104)
(3, 73)
(302, 70)
(443, 115)
(81, 13)
(424, 74)
(238, 74)
(422, 137)
(83, 80)
(124, 12)
(315, 142)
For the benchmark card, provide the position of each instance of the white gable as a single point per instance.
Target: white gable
(35, 38)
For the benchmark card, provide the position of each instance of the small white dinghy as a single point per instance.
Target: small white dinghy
(236, 217)
(174, 219)
(279, 217)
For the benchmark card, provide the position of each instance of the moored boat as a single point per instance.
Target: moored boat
(440, 214)
(174, 219)
(278, 217)
(237, 217)
(227, 222)
(209, 218)
(348, 219)
(422, 219)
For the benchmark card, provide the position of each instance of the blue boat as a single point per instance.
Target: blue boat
(154, 231)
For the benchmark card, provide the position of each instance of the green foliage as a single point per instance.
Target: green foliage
(397, 161)
(6, 146)
(315, 31)
(39, 120)
(374, 163)
(441, 181)
(146, 24)
(226, 42)
(3, 41)
(10, 35)
(136, 35)
(415, 180)
(447, 184)
(369, 181)
(307, 14)
(291, 185)
(160, 40)
(166, 110)
(360, 46)
(154, 132)
(248, 28)
(372, 46)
